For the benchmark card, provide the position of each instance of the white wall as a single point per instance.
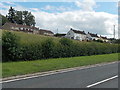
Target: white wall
(88, 37)
(77, 36)
(70, 34)
(95, 38)
(91, 38)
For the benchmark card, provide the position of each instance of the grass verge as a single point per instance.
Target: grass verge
(26, 67)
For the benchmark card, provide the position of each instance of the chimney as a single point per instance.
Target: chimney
(88, 32)
(71, 29)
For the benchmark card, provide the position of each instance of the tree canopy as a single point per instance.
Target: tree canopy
(21, 17)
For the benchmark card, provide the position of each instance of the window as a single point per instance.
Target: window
(68, 33)
(21, 28)
(12, 27)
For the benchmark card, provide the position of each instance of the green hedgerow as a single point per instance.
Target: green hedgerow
(49, 47)
(10, 43)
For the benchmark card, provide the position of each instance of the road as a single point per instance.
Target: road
(95, 77)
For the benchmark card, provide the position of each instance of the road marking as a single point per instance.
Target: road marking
(102, 81)
(35, 76)
(54, 72)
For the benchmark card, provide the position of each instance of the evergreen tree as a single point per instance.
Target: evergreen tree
(11, 15)
(21, 17)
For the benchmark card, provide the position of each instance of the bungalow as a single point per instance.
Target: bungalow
(76, 34)
(91, 36)
(104, 39)
(19, 27)
(45, 32)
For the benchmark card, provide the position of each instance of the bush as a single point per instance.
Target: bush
(66, 47)
(65, 41)
(10, 44)
(31, 52)
(47, 48)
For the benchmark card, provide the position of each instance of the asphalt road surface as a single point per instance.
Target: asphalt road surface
(105, 76)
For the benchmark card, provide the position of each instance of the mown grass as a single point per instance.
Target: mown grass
(26, 67)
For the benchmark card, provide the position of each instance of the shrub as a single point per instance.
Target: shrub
(10, 43)
(47, 48)
(31, 52)
(65, 41)
(66, 47)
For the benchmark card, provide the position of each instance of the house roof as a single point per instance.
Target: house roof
(93, 35)
(59, 35)
(79, 32)
(19, 25)
(103, 37)
(47, 31)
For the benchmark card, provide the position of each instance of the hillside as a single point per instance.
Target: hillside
(26, 38)
(19, 46)
(4, 19)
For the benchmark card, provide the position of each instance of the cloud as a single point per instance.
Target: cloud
(34, 9)
(48, 7)
(4, 6)
(86, 5)
(86, 19)
(11, 3)
(56, 8)
(95, 22)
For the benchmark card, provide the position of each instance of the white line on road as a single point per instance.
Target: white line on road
(34, 76)
(102, 81)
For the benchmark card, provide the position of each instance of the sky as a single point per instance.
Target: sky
(87, 15)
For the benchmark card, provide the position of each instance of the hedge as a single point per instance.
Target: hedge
(14, 51)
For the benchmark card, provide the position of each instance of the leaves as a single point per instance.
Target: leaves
(13, 50)
(21, 17)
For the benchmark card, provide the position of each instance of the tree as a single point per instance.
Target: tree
(11, 15)
(21, 17)
(28, 18)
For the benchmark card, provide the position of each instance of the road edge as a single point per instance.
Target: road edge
(27, 76)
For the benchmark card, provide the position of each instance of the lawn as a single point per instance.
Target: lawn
(26, 67)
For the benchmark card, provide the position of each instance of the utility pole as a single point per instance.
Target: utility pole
(114, 32)
(57, 30)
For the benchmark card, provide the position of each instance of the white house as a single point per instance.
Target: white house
(104, 39)
(76, 34)
(91, 36)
